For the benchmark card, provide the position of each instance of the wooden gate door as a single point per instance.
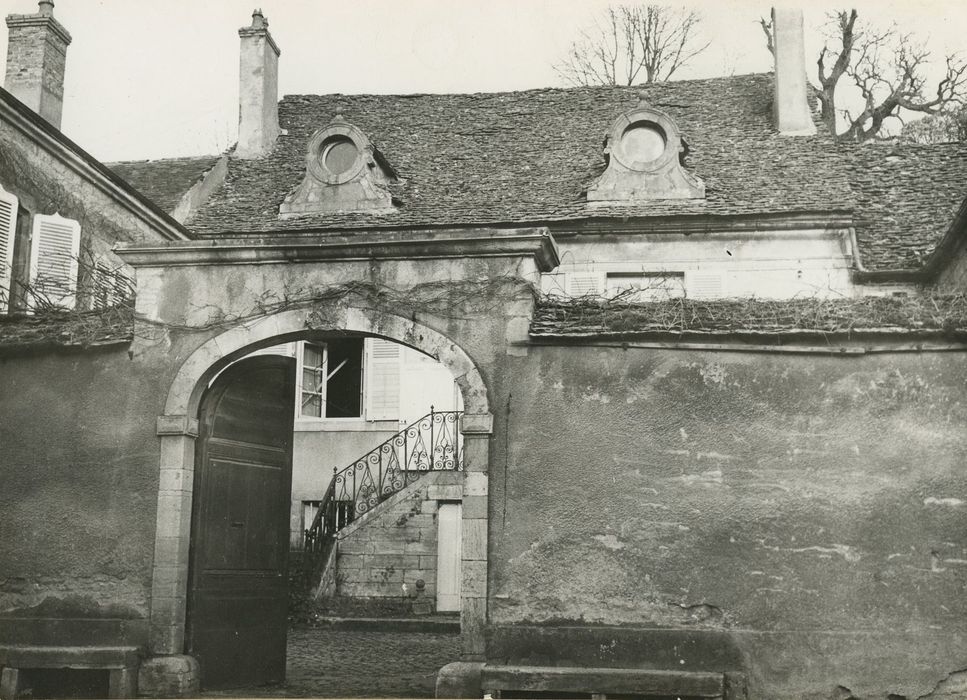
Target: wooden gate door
(238, 574)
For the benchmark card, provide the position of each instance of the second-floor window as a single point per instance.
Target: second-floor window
(54, 251)
(331, 379)
(8, 231)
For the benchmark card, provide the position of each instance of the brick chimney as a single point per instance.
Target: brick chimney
(790, 108)
(36, 58)
(258, 90)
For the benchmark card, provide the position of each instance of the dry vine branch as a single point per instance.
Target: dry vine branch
(930, 313)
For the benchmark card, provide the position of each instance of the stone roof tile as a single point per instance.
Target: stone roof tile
(906, 196)
(529, 156)
(164, 181)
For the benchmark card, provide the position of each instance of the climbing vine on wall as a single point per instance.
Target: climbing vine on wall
(929, 313)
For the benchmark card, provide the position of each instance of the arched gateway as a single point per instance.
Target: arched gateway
(462, 297)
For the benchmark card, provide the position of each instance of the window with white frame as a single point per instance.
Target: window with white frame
(54, 251)
(331, 379)
(9, 205)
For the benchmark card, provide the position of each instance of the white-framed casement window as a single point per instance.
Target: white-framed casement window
(9, 205)
(645, 286)
(54, 251)
(330, 378)
(348, 378)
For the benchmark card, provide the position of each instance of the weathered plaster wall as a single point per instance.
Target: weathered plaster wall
(815, 507)
(397, 542)
(79, 467)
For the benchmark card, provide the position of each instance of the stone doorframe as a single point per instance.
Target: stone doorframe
(178, 428)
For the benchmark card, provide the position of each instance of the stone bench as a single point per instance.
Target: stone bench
(120, 662)
(600, 682)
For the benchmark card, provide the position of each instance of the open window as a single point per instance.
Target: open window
(331, 379)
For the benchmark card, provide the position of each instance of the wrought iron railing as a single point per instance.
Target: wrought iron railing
(434, 442)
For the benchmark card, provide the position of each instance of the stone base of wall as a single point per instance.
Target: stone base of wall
(173, 676)
(386, 551)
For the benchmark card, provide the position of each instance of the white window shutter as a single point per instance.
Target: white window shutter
(705, 284)
(382, 380)
(8, 231)
(581, 284)
(53, 259)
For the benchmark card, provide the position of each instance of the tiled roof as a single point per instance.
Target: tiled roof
(906, 197)
(529, 157)
(164, 181)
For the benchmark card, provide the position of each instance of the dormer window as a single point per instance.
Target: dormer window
(339, 157)
(645, 153)
(344, 173)
(642, 143)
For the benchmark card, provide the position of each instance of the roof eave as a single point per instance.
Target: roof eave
(40, 132)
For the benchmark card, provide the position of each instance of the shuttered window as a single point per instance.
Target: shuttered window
(382, 380)
(701, 284)
(8, 229)
(581, 284)
(53, 261)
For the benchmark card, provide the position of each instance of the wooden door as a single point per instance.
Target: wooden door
(449, 554)
(238, 578)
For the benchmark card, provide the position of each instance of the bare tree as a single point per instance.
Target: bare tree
(887, 68)
(632, 43)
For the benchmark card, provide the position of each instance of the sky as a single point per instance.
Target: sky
(149, 79)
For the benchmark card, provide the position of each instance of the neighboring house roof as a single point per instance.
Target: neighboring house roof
(85, 165)
(165, 181)
(520, 157)
(907, 196)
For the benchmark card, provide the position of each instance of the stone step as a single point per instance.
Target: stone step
(434, 624)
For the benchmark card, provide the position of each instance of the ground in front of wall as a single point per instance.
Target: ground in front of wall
(331, 663)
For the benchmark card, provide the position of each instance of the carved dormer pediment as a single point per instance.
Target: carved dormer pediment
(344, 173)
(645, 152)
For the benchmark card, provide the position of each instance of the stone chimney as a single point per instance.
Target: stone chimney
(36, 58)
(790, 107)
(258, 90)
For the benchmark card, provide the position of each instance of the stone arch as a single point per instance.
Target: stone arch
(213, 355)
(178, 428)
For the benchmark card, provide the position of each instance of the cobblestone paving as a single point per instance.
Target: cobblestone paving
(328, 663)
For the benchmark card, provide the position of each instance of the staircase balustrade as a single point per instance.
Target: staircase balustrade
(432, 443)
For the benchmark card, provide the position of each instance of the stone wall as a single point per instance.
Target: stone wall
(396, 543)
(78, 463)
(811, 507)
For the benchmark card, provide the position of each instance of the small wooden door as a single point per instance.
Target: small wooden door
(450, 520)
(238, 578)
